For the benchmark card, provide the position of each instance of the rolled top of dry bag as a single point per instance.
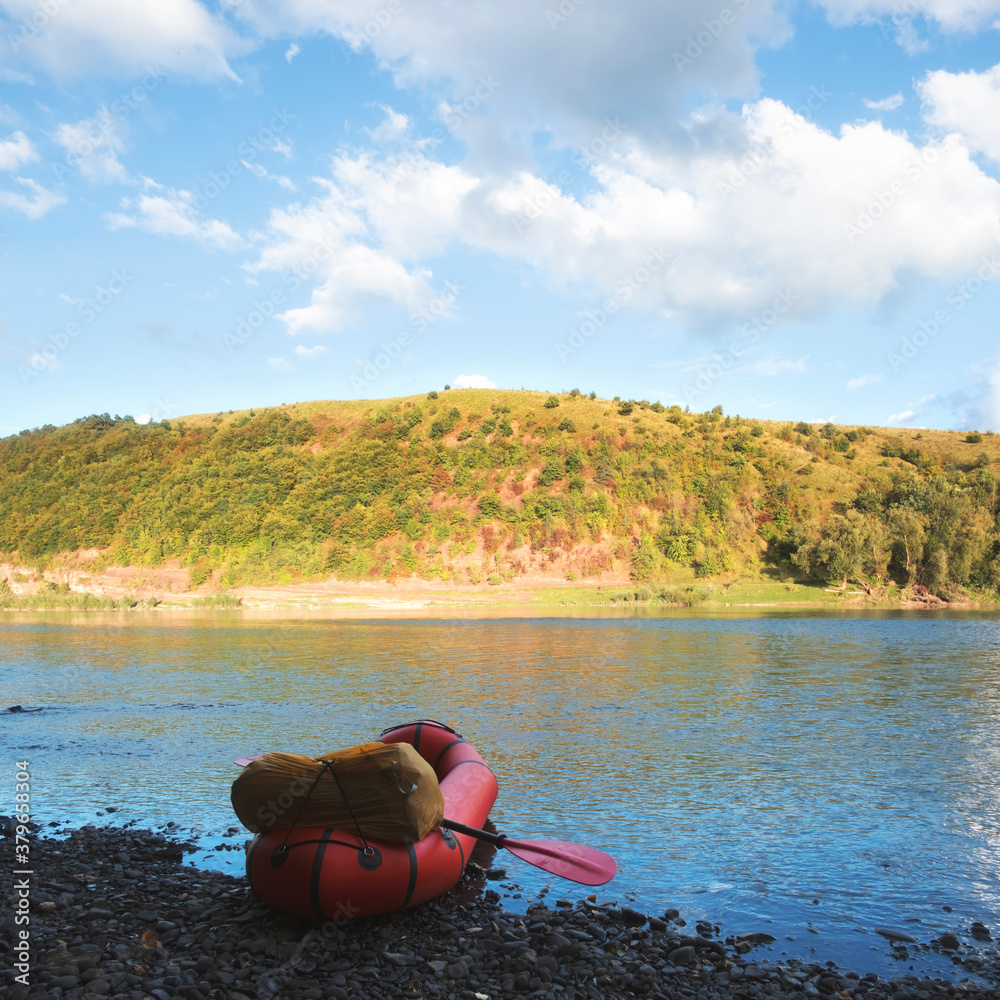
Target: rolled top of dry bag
(391, 792)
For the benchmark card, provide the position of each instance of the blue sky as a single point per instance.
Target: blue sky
(791, 209)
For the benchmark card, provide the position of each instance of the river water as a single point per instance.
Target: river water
(804, 774)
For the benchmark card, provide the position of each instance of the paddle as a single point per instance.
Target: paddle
(576, 862)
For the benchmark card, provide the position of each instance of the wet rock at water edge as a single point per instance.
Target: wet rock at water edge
(894, 934)
(756, 937)
(685, 955)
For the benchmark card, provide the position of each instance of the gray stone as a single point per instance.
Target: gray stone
(894, 934)
(757, 937)
(457, 970)
(548, 962)
(685, 955)
(398, 958)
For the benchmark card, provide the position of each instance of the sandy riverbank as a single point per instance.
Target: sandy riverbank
(134, 589)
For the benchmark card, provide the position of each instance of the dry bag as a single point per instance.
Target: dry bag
(381, 790)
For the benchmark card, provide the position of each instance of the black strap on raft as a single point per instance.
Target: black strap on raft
(368, 857)
(426, 722)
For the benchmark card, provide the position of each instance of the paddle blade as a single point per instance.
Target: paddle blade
(577, 862)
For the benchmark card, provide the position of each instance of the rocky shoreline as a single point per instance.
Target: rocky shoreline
(115, 913)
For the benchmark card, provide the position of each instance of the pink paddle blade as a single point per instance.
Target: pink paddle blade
(577, 862)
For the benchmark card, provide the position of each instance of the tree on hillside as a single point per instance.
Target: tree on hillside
(645, 558)
(851, 547)
(909, 532)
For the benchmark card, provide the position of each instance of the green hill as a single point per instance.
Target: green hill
(487, 485)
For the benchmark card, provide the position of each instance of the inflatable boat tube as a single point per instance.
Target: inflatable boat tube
(334, 874)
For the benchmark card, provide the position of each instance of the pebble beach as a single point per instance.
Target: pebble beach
(115, 912)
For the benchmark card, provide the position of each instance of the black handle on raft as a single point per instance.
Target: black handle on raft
(472, 831)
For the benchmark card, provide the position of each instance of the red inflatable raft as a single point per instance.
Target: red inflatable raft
(329, 873)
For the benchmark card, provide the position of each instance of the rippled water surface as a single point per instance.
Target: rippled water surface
(807, 775)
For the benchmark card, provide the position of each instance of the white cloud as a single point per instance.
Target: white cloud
(867, 379)
(777, 366)
(473, 382)
(977, 403)
(280, 364)
(291, 52)
(310, 352)
(900, 418)
(951, 15)
(258, 171)
(393, 127)
(15, 151)
(93, 145)
(986, 413)
(966, 103)
(362, 236)
(120, 37)
(41, 201)
(174, 214)
(565, 76)
(886, 104)
(143, 418)
(778, 214)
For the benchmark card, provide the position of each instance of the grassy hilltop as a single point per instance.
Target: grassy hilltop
(492, 486)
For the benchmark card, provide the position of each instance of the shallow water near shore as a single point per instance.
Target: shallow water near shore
(808, 775)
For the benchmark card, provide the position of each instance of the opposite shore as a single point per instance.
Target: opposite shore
(127, 588)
